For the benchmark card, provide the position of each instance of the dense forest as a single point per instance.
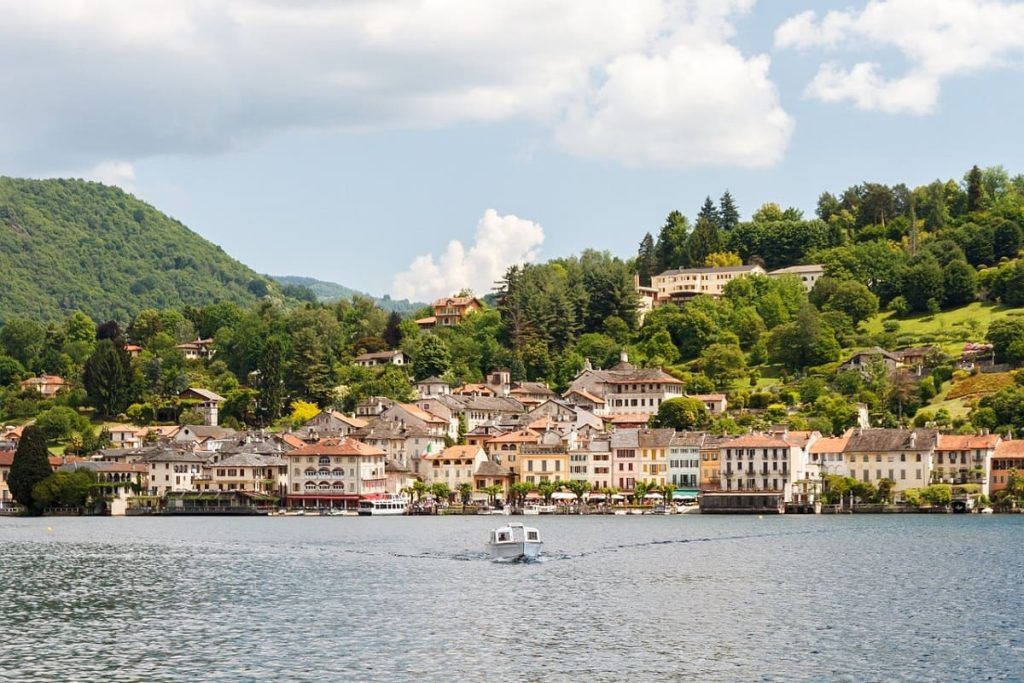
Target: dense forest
(899, 264)
(68, 245)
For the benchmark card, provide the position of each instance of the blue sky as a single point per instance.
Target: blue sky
(354, 141)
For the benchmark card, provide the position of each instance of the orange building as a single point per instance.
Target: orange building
(451, 310)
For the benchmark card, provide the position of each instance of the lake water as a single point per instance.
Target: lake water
(705, 598)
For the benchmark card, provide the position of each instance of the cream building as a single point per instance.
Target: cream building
(685, 283)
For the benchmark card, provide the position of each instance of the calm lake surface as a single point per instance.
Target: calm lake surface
(705, 598)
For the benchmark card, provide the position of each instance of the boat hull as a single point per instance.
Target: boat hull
(526, 550)
(381, 512)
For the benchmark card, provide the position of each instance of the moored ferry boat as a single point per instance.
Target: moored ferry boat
(386, 506)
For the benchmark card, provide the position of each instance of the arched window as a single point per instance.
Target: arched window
(310, 485)
(324, 472)
(324, 486)
(337, 473)
(339, 485)
(310, 472)
(324, 460)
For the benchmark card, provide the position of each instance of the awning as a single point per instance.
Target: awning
(654, 496)
(560, 495)
(685, 493)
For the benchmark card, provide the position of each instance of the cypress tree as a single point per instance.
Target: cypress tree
(728, 214)
(107, 377)
(393, 331)
(30, 466)
(646, 260)
(975, 190)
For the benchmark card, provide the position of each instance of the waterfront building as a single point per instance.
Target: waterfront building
(710, 463)
(171, 469)
(1008, 455)
(402, 443)
(625, 445)
(827, 454)
(965, 459)
(684, 459)
(120, 480)
(452, 466)
(504, 450)
(487, 474)
(591, 462)
(654, 453)
(546, 460)
(266, 474)
(335, 473)
(761, 462)
(903, 456)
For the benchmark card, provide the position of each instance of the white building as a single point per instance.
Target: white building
(682, 284)
(684, 459)
(808, 275)
(762, 463)
(172, 470)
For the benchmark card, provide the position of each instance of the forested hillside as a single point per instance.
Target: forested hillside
(329, 292)
(69, 245)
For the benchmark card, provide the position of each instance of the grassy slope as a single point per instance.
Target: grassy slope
(948, 329)
(73, 245)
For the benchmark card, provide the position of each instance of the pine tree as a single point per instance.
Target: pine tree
(646, 260)
(393, 330)
(671, 246)
(975, 190)
(706, 239)
(728, 214)
(709, 212)
(107, 377)
(30, 466)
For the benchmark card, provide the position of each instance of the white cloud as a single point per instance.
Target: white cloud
(938, 38)
(500, 241)
(105, 79)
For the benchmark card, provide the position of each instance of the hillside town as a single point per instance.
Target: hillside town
(501, 442)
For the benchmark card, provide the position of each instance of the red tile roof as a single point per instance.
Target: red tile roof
(346, 446)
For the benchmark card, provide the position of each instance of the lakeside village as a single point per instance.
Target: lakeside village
(486, 446)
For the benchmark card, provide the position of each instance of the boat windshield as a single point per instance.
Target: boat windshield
(532, 535)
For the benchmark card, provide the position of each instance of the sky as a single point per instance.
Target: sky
(418, 147)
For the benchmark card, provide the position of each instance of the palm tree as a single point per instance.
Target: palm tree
(441, 491)
(465, 492)
(609, 492)
(419, 487)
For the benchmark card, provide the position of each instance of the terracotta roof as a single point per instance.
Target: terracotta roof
(292, 440)
(346, 446)
(521, 436)
(756, 441)
(429, 320)
(627, 418)
(707, 397)
(455, 453)
(354, 422)
(473, 388)
(44, 379)
(966, 442)
(829, 445)
(1010, 449)
(456, 301)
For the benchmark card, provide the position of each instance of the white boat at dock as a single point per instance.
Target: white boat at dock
(514, 541)
(388, 506)
(535, 509)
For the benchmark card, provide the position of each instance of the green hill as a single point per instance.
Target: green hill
(330, 291)
(70, 245)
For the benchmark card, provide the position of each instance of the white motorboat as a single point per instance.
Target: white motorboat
(987, 510)
(514, 541)
(535, 509)
(387, 506)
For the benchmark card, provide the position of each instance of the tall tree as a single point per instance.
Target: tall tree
(432, 358)
(30, 466)
(708, 211)
(646, 260)
(671, 246)
(728, 214)
(706, 239)
(269, 379)
(393, 330)
(975, 190)
(23, 340)
(107, 378)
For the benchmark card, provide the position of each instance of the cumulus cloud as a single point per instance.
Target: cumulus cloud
(500, 241)
(111, 80)
(939, 39)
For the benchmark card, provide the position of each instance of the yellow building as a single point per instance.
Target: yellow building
(710, 465)
(654, 445)
(547, 460)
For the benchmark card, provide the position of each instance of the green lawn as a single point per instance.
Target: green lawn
(949, 328)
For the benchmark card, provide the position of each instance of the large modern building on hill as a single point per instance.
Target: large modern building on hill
(682, 284)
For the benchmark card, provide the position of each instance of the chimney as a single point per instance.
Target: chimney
(623, 356)
(913, 438)
(587, 365)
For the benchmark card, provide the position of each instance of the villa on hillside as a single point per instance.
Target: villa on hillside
(47, 385)
(682, 284)
(369, 360)
(808, 274)
(450, 311)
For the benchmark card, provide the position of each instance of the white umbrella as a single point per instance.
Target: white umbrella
(561, 495)
(654, 495)
(595, 496)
